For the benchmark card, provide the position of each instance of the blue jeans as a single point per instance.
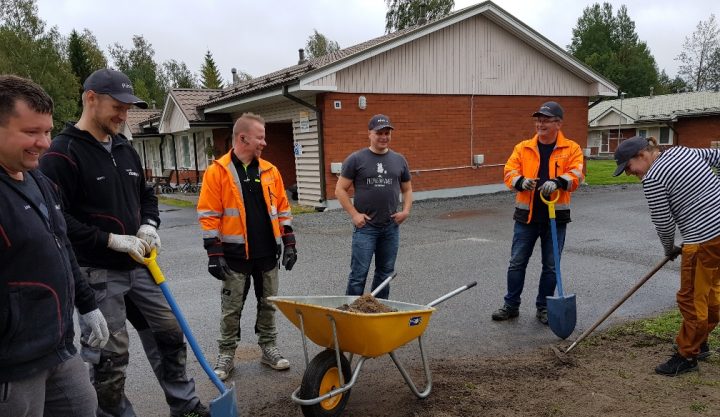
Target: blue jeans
(524, 238)
(383, 242)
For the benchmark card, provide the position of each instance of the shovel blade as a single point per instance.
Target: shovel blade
(562, 315)
(225, 405)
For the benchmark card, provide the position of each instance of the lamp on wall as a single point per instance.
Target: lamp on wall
(362, 102)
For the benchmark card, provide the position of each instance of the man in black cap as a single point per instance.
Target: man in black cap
(378, 175)
(112, 217)
(545, 163)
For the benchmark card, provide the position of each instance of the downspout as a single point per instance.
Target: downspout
(145, 160)
(676, 136)
(321, 151)
(197, 173)
(162, 160)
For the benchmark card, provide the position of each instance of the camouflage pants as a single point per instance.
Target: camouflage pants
(234, 291)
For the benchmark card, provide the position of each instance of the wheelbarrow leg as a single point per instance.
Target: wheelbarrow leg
(406, 376)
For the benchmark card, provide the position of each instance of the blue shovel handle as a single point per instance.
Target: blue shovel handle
(553, 232)
(152, 265)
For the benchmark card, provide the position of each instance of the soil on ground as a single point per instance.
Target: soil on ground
(366, 303)
(611, 374)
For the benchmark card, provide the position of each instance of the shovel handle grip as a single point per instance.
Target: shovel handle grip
(150, 262)
(550, 204)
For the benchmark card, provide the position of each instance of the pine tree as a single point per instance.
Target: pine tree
(209, 73)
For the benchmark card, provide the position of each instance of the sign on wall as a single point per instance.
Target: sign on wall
(304, 122)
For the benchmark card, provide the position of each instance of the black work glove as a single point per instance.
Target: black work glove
(674, 253)
(218, 267)
(289, 256)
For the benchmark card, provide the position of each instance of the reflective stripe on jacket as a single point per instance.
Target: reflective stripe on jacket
(566, 161)
(221, 209)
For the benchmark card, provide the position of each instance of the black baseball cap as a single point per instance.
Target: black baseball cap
(626, 151)
(550, 109)
(379, 122)
(115, 84)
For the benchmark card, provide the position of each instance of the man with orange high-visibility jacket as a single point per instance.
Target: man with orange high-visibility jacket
(247, 224)
(545, 163)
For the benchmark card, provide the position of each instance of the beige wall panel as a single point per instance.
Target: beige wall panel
(472, 57)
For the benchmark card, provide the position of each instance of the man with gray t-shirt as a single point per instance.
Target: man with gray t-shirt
(378, 175)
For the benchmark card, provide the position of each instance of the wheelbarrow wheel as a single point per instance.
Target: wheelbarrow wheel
(321, 377)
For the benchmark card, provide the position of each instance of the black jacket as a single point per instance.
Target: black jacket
(39, 283)
(103, 193)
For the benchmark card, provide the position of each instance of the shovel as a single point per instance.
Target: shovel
(615, 306)
(226, 404)
(562, 311)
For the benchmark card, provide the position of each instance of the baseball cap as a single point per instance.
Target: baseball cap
(550, 109)
(380, 121)
(115, 84)
(626, 151)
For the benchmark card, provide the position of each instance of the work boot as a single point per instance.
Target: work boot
(704, 351)
(272, 358)
(224, 366)
(677, 365)
(541, 315)
(199, 411)
(505, 312)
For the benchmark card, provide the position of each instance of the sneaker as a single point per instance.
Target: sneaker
(677, 365)
(272, 358)
(224, 366)
(704, 351)
(541, 315)
(199, 411)
(505, 312)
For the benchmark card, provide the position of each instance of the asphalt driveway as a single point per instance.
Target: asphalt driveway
(610, 244)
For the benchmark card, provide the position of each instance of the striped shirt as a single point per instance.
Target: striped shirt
(681, 188)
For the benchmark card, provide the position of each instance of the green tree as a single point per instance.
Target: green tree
(177, 75)
(85, 57)
(402, 14)
(209, 74)
(139, 65)
(670, 86)
(609, 44)
(28, 49)
(318, 45)
(700, 58)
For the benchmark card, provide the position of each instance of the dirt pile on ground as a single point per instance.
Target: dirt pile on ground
(609, 376)
(366, 304)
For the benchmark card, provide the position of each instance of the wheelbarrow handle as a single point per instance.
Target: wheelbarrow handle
(451, 294)
(383, 284)
(615, 306)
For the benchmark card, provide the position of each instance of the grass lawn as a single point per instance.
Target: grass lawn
(599, 172)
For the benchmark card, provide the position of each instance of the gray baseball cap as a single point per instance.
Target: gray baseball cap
(626, 151)
(115, 84)
(550, 109)
(379, 122)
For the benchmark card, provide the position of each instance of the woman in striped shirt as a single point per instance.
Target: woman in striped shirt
(682, 189)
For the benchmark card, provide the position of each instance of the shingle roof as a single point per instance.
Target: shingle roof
(137, 116)
(664, 107)
(190, 98)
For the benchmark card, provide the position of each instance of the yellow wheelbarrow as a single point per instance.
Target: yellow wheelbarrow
(324, 390)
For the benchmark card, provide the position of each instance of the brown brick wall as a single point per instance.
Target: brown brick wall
(279, 150)
(697, 132)
(434, 132)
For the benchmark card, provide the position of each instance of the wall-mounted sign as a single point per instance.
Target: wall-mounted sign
(297, 149)
(304, 122)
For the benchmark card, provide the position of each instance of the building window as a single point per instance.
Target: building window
(186, 151)
(642, 133)
(209, 150)
(664, 136)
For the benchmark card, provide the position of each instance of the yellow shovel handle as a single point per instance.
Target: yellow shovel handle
(151, 262)
(550, 204)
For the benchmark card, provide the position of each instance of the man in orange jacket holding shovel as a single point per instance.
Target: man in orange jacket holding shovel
(545, 163)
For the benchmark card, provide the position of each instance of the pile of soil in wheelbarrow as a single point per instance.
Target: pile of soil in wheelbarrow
(366, 304)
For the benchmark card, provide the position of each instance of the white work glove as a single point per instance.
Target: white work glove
(99, 333)
(132, 245)
(528, 184)
(149, 234)
(548, 187)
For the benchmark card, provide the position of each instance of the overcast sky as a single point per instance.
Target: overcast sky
(260, 37)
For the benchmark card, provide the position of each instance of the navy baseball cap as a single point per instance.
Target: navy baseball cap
(550, 109)
(626, 151)
(115, 84)
(380, 121)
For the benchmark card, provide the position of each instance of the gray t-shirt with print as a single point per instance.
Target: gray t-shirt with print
(376, 178)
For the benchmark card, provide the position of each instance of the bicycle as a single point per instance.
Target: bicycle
(188, 186)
